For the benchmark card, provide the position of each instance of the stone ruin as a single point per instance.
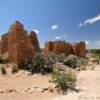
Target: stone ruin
(58, 47)
(19, 44)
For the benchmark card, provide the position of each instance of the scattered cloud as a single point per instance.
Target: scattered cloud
(90, 21)
(87, 42)
(64, 35)
(97, 43)
(60, 37)
(93, 44)
(54, 27)
(80, 24)
(35, 30)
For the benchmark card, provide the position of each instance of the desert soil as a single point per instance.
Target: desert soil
(21, 86)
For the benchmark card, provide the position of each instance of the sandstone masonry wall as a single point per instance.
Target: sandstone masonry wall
(58, 47)
(79, 49)
(4, 43)
(19, 44)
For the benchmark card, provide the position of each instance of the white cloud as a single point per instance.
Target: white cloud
(93, 44)
(98, 43)
(80, 24)
(60, 37)
(90, 21)
(57, 37)
(54, 27)
(87, 42)
(64, 35)
(35, 30)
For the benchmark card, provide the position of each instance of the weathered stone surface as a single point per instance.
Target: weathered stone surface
(49, 47)
(34, 40)
(79, 49)
(4, 43)
(62, 47)
(58, 47)
(19, 45)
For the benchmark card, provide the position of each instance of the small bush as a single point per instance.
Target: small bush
(75, 62)
(82, 62)
(60, 67)
(55, 57)
(50, 59)
(64, 81)
(43, 64)
(3, 70)
(37, 64)
(14, 68)
(96, 60)
(95, 52)
(71, 61)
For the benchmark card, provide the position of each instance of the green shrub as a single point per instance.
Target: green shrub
(53, 58)
(75, 62)
(71, 61)
(50, 59)
(95, 51)
(96, 54)
(3, 70)
(60, 57)
(37, 64)
(59, 67)
(14, 68)
(96, 60)
(82, 62)
(44, 63)
(64, 81)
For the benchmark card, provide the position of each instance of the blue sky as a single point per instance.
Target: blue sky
(70, 20)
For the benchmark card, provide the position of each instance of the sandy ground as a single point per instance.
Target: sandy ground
(20, 86)
(89, 84)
